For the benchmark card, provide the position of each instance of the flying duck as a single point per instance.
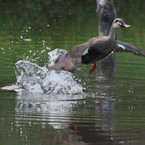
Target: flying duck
(91, 51)
(106, 14)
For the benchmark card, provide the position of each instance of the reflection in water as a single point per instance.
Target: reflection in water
(105, 72)
(65, 112)
(50, 109)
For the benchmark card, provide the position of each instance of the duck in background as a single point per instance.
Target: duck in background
(106, 13)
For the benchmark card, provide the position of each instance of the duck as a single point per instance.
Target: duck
(93, 50)
(106, 13)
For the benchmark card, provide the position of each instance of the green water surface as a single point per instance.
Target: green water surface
(112, 112)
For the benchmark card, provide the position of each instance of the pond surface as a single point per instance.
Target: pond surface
(112, 108)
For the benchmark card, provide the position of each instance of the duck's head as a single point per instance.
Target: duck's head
(103, 2)
(119, 23)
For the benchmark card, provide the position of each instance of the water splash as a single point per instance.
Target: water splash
(54, 55)
(36, 79)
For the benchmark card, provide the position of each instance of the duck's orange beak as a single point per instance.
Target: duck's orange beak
(127, 26)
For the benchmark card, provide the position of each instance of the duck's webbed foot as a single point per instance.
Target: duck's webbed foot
(93, 68)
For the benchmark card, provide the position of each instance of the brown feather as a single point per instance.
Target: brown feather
(128, 48)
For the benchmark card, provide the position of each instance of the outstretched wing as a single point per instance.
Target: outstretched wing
(128, 48)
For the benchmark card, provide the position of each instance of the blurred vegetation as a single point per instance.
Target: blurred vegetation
(57, 24)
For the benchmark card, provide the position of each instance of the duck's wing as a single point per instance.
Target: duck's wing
(82, 49)
(61, 58)
(78, 50)
(94, 43)
(128, 48)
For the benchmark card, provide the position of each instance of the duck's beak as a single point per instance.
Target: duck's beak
(127, 26)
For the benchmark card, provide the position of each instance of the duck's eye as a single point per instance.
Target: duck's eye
(117, 21)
